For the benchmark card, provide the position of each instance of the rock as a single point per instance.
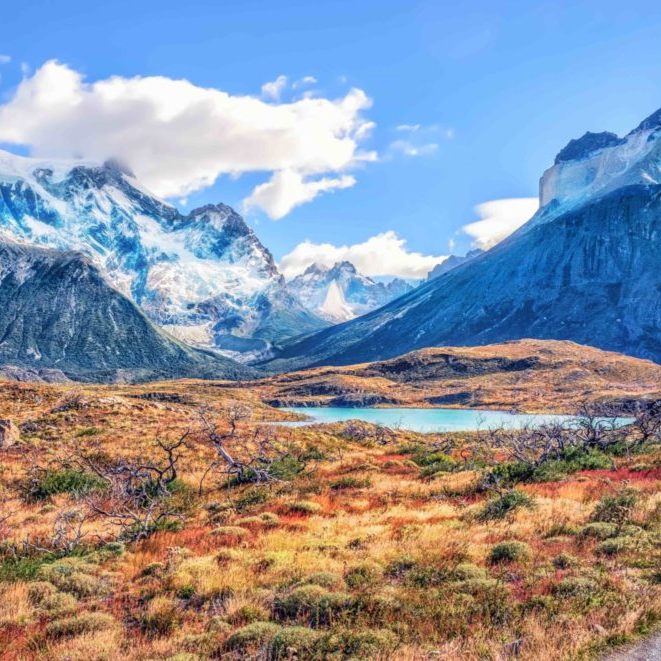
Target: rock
(9, 434)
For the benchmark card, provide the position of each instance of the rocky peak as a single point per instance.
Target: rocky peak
(650, 123)
(586, 145)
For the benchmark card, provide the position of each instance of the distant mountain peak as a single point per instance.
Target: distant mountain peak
(650, 123)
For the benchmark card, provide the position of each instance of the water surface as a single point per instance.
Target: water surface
(432, 420)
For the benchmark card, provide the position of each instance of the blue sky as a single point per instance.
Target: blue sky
(496, 89)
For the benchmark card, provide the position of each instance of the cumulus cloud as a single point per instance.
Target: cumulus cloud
(498, 219)
(274, 89)
(383, 254)
(179, 137)
(288, 189)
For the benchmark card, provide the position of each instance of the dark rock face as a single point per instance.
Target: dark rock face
(590, 275)
(57, 312)
(585, 145)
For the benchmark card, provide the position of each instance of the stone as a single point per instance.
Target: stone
(9, 434)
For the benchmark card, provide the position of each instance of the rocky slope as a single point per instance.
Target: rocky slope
(584, 268)
(204, 276)
(452, 262)
(341, 292)
(60, 319)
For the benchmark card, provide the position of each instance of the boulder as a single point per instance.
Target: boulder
(9, 433)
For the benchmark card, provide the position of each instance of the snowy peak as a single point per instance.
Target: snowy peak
(598, 163)
(340, 292)
(202, 276)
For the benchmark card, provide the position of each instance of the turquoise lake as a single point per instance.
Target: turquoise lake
(431, 420)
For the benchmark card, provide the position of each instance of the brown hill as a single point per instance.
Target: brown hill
(527, 375)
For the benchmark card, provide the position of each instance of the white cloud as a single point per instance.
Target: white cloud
(288, 189)
(498, 219)
(5, 59)
(408, 127)
(409, 148)
(306, 80)
(274, 89)
(383, 254)
(179, 137)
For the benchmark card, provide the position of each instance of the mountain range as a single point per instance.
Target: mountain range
(101, 280)
(204, 276)
(585, 267)
(340, 292)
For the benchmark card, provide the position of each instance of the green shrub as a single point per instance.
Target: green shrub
(373, 644)
(576, 586)
(287, 468)
(505, 504)
(294, 643)
(401, 566)
(22, 568)
(304, 507)
(362, 576)
(252, 637)
(45, 597)
(160, 618)
(326, 580)
(230, 532)
(615, 545)
(598, 530)
(251, 498)
(247, 615)
(564, 561)
(76, 576)
(313, 604)
(466, 571)
(616, 508)
(75, 482)
(426, 577)
(432, 462)
(350, 482)
(80, 624)
(509, 552)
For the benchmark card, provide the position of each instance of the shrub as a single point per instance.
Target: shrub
(286, 468)
(45, 596)
(326, 580)
(425, 577)
(598, 530)
(401, 566)
(564, 561)
(252, 637)
(432, 462)
(509, 552)
(76, 576)
(362, 576)
(160, 618)
(304, 507)
(376, 643)
(80, 624)
(312, 603)
(574, 587)
(251, 498)
(294, 643)
(247, 614)
(505, 504)
(466, 571)
(230, 532)
(615, 545)
(350, 482)
(616, 508)
(75, 482)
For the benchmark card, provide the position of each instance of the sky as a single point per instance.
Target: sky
(387, 133)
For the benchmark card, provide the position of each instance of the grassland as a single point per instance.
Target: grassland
(337, 542)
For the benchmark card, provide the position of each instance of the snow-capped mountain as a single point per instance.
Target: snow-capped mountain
(59, 316)
(340, 292)
(585, 268)
(203, 276)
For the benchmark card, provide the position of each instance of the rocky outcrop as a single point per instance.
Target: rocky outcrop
(9, 433)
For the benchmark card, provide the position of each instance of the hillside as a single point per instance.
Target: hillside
(527, 375)
(60, 318)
